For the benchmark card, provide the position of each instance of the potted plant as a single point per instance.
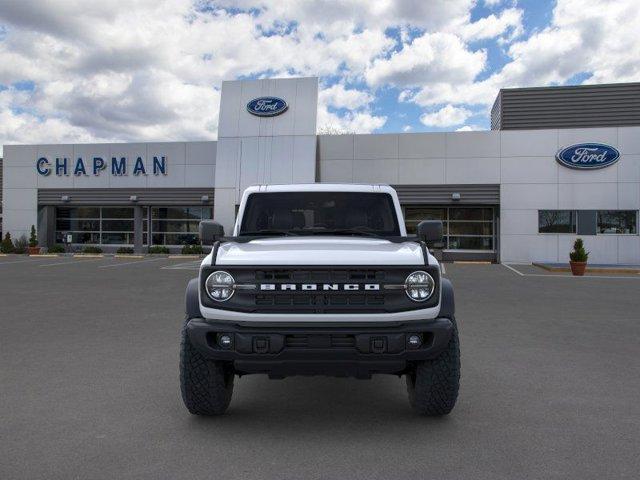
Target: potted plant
(33, 249)
(578, 258)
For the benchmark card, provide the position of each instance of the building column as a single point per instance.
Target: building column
(138, 217)
(46, 228)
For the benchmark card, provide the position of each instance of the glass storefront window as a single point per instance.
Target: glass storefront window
(176, 225)
(618, 221)
(464, 228)
(556, 221)
(95, 225)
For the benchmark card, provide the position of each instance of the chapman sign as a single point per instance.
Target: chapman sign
(267, 106)
(118, 166)
(588, 156)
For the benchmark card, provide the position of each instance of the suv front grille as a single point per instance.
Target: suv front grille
(296, 289)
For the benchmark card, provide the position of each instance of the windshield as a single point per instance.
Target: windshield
(320, 213)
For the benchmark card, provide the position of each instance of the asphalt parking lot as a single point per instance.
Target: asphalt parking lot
(89, 386)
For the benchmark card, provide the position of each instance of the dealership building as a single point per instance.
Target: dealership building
(558, 163)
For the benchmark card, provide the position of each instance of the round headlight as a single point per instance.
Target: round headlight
(419, 286)
(220, 286)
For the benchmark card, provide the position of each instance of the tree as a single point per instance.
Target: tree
(7, 244)
(33, 237)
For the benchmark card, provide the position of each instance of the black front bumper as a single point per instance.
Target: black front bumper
(344, 351)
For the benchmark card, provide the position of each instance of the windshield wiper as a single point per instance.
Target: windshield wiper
(259, 233)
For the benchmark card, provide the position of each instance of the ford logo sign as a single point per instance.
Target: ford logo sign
(588, 156)
(267, 106)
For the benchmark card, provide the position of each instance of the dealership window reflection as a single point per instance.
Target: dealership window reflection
(176, 225)
(464, 228)
(95, 225)
(618, 222)
(556, 221)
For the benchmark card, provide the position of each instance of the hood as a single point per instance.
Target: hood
(320, 251)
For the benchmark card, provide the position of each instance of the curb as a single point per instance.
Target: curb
(127, 255)
(45, 255)
(88, 255)
(186, 256)
(606, 270)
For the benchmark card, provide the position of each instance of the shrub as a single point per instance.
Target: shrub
(57, 248)
(33, 237)
(125, 250)
(579, 254)
(192, 249)
(20, 245)
(158, 249)
(91, 249)
(7, 244)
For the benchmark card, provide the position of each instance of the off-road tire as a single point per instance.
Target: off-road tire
(433, 384)
(206, 385)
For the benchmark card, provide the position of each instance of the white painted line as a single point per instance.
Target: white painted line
(183, 266)
(71, 262)
(444, 270)
(129, 263)
(514, 270)
(21, 261)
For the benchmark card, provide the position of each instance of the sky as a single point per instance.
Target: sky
(77, 71)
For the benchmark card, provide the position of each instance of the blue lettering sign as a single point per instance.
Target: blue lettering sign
(588, 156)
(79, 170)
(139, 167)
(42, 165)
(267, 106)
(61, 166)
(118, 167)
(98, 165)
(159, 166)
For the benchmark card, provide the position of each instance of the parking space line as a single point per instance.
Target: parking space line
(30, 260)
(130, 263)
(513, 269)
(73, 262)
(183, 266)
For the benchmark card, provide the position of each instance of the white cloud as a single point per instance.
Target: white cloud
(469, 128)
(432, 57)
(151, 71)
(340, 97)
(447, 116)
(509, 22)
(407, 128)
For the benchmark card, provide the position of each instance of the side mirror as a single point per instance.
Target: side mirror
(430, 231)
(210, 232)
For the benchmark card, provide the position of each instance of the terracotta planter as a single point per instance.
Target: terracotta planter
(33, 250)
(578, 268)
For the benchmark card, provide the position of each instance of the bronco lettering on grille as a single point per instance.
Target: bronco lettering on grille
(318, 286)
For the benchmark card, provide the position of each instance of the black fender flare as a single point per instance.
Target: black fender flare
(447, 302)
(192, 300)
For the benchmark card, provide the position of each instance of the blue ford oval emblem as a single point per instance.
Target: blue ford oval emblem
(267, 106)
(588, 156)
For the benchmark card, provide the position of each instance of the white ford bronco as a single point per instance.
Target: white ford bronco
(319, 279)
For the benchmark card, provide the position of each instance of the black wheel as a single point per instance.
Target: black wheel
(433, 385)
(206, 385)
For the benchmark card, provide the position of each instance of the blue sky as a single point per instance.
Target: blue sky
(77, 71)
